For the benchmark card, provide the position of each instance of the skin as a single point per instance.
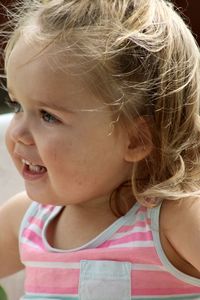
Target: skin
(58, 125)
(73, 145)
(83, 159)
(180, 232)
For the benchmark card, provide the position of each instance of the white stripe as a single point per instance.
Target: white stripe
(139, 244)
(49, 295)
(53, 265)
(35, 228)
(62, 265)
(28, 242)
(146, 267)
(140, 217)
(44, 213)
(175, 296)
(138, 297)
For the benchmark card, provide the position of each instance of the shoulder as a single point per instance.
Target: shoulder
(11, 214)
(180, 226)
(13, 211)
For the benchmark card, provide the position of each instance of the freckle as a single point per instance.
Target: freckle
(79, 182)
(55, 156)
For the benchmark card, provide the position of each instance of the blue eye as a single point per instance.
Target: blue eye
(13, 105)
(47, 117)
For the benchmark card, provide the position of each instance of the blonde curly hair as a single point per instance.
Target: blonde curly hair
(142, 60)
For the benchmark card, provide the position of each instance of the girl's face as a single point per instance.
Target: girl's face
(66, 155)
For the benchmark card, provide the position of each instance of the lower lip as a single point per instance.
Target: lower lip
(31, 175)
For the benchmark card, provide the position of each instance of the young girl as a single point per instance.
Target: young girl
(106, 134)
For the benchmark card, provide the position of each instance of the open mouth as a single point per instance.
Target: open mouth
(32, 168)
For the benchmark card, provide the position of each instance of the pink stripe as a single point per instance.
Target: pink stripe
(146, 283)
(52, 281)
(135, 236)
(46, 207)
(142, 209)
(136, 255)
(33, 237)
(166, 291)
(149, 283)
(52, 290)
(37, 221)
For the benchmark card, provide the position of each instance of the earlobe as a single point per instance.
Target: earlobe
(139, 141)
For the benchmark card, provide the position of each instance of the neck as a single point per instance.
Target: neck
(80, 224)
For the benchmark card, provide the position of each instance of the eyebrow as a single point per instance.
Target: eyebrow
(61, 108)
(52, 105)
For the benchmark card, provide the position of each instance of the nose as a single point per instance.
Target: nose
(19, 131)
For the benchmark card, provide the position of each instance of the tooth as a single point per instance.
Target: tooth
(34, 168)
(26, 162)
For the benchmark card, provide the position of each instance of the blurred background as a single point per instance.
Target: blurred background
(188, 8)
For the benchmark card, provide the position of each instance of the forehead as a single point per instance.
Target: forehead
(35, 70)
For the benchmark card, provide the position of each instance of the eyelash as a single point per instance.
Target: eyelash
(47, 117)
(13, 105)
(16, 108)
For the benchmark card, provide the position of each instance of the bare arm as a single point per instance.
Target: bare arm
(180, 222)
(11, 214)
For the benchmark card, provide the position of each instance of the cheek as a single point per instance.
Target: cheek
(9, 141)
(67, 159)
(55, 152)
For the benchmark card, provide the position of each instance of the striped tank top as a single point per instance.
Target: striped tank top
(124, 262)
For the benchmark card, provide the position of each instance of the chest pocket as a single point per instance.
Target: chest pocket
(105, 280)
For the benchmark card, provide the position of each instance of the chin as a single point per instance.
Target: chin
(38, 197)
(44, 199)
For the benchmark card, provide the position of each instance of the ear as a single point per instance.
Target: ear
(139, 141)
